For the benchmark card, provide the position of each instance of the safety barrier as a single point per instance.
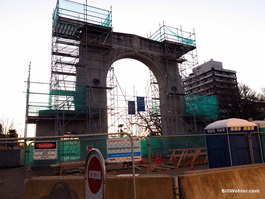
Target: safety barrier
(216, 149)
(246, 181)
(52, 157)
(64, 156)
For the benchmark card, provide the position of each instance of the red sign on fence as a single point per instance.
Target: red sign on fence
(45, 151)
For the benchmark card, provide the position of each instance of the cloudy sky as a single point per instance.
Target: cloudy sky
(230, 31)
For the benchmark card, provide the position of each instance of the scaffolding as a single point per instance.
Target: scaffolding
(64, 99)
(180, 47)
(176, 45)
(155, 100)
(70, 20)
(179, 50)
(121, 117)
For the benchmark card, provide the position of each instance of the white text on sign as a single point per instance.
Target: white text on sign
(95, 175)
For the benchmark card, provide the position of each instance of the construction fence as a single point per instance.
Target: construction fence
(23, 159)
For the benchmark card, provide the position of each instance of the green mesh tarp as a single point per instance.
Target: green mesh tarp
(155, 109)
(81, 12)
(201, 106)
(181, 39)
(62, 92)
(164, 144)
(69, 150)
(80, 98)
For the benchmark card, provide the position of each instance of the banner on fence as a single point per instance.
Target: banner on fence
(120, 150)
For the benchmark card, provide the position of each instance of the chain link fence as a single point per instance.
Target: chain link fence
(23, 159)
(62, 156)
(216, 150)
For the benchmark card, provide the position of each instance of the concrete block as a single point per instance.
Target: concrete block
(216, 183)
(147, 187)
(59, 187)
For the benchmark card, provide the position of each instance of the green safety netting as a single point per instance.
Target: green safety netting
(181, 39)
(70, 150)
(76, 149)
(171, 34)
(201, 106)
(81, 12)
(155, 109)
(163, 144)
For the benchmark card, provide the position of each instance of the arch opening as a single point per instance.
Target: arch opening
(129, 79)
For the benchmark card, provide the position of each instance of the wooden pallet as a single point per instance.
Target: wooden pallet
(65, 167)
(181, 155)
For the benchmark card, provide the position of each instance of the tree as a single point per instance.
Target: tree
(261, 96)
(261, 105)
(6, 125)
(7, 130)
(152, 123)
(252, 105)
(229, 103)
(12, 133)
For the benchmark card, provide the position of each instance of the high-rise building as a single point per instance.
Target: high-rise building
(211, 79)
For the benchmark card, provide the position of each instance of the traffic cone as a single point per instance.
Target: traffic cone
(153, 157)
(161, 157)
(191, 164)
(157, 160)
(142, 160)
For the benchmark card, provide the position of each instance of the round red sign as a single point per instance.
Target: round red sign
(94, 175)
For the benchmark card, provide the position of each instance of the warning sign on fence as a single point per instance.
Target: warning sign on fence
(120, 149)
(45, 151)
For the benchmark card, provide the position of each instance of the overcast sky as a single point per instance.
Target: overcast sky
(230, 31)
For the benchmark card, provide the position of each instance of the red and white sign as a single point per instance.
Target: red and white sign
(89, 147)
(45, 145)
(95, 175)
(45, 151)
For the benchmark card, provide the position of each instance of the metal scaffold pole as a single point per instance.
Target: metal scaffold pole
(27, 102)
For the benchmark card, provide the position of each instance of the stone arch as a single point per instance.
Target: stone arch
(146, 59)
(96, 61)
